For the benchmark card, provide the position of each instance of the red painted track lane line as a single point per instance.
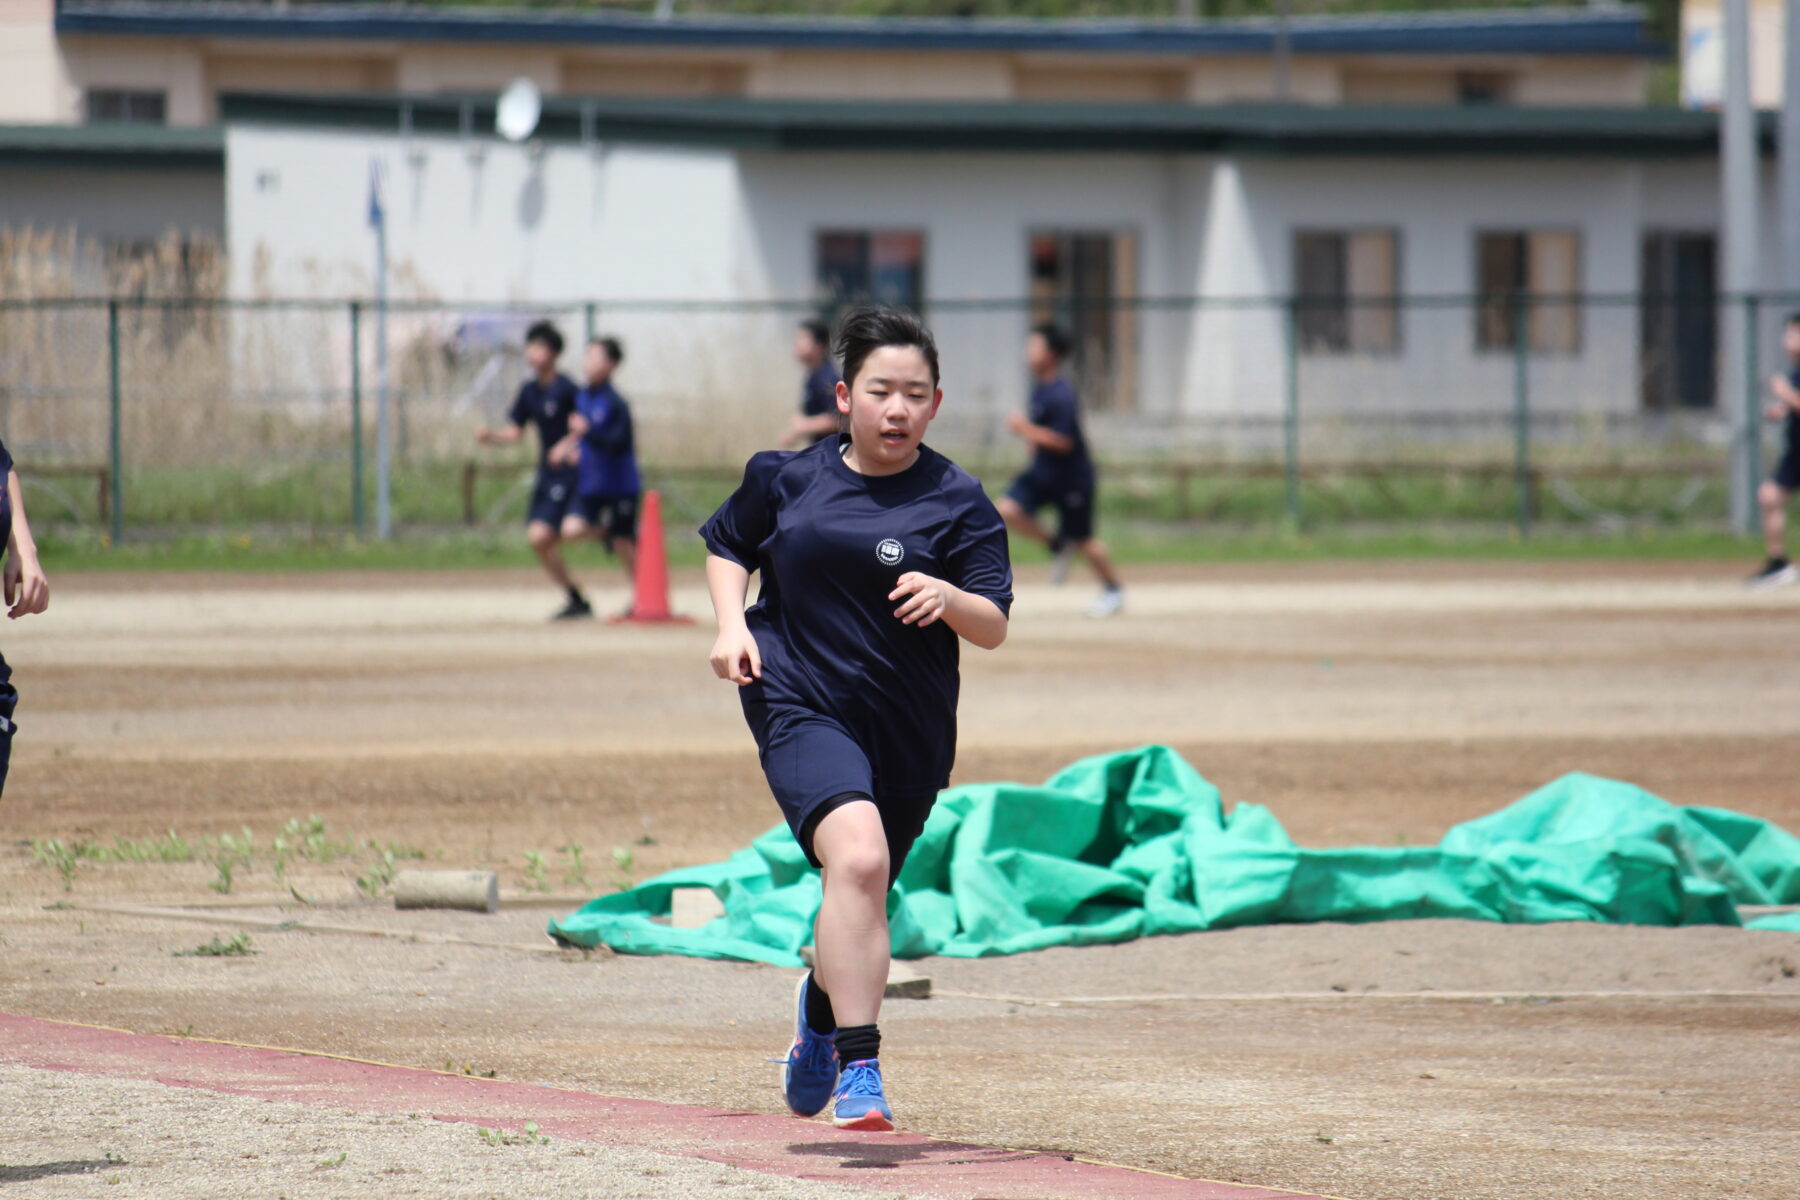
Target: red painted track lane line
(781, 1146)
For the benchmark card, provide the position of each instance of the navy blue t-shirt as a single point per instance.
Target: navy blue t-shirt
(1054, 406)
(1791, 426)
(818, 394)
(6, 466)
(547, 407)
(831, 545)
(609, 468)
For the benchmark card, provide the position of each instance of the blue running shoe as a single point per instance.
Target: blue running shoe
(812, 1065)
(859, 1102)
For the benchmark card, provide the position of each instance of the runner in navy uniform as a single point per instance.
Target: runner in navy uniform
(1061, 474)
(603, 447)
(27, 591)
(818, 416)
(879, 557)
(1779, 488)
(545, 401)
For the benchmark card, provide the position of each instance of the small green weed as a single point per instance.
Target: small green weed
(537, 875)
(499, 1137)
(59, 854)
(576, 875)
(225, 854)
(336, 1160)
(380, 875)
(236, 946)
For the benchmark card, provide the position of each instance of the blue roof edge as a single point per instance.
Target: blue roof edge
(1620, 31)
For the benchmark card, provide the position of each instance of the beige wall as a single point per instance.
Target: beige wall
(42, 81)
(1766, 26)
(33, 87)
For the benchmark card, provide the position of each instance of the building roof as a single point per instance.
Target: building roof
(121, 144)
(1001, 127)
(1616, 31)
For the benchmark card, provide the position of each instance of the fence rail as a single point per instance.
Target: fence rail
(219, 414)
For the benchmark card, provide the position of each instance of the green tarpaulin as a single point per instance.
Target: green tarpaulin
(1127, 845)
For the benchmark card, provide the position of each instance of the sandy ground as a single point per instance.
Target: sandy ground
(1364, 705)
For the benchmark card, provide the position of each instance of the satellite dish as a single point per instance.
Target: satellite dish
(520, 106)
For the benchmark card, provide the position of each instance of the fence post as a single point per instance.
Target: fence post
(1522, 409)
(1752, 415)
(590, 318)
(1290, 420)
(116, 451)
(358, 504)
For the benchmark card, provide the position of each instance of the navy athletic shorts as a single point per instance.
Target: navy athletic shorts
(1787, 471)
(814, 766)
(9, 699)
(1073, 502)
(551, 497)
(613, 516)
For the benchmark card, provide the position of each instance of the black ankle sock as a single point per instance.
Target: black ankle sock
(857, 1042)
(575, 596)
(819, 1017)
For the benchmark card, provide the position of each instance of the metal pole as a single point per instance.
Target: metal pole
(384, 482)
(1789, 153)
(590, 317)
(1522, 408)
(1751, 478)
(1290, 424)
(116, 452)
(1742, 253)
(359, 517)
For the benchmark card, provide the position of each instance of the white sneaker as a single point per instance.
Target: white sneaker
(1059, 566)
(1108, 603)
(1775, 573)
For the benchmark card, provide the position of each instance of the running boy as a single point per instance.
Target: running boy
(1061, 474)
(546, 400)
(601, 444)
(1778, 489)
(818, 418)
(27, 592)
(878, 557)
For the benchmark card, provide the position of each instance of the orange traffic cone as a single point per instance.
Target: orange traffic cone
(650, 598)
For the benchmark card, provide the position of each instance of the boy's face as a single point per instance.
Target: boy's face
(1037, 353)
(1790, 341)
(807, 351)
(598, 364)
(538, 357)
(889, 404)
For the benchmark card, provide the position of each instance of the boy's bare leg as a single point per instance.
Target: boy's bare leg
(1774, 501)
(850, 937)
(546, 545)
(1094, 550)
(1017, 518)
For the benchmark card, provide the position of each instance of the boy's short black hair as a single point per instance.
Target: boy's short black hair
(614, 351)
(545, 332)
(1055, 337)
(862, 331)
(817, 330)
(1793, 318)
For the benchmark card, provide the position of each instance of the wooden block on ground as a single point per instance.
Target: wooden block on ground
(475, 891)
(692, 907)
(904, 983)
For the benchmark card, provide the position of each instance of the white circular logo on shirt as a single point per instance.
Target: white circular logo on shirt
(890, 551)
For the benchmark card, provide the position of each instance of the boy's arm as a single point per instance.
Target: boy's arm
(27, 590)
(734, 654)
(1785, 392)
(802, 427)
(1041, 435)
(567, 449)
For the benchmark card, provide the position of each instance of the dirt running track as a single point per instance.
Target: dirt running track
(1408, 1061)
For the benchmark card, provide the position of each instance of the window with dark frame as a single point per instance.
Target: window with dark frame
(126, 104)
(1086, 282)
(869, 267)
(1346, 290)
(1541, 264)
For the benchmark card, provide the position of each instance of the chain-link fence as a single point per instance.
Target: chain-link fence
(151, 417)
